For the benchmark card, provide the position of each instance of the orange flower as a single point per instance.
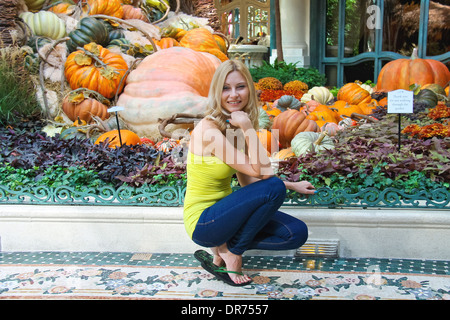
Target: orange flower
(428, 131)
(272, 95)
(440, 111)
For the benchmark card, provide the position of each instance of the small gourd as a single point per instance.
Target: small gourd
(288, 102)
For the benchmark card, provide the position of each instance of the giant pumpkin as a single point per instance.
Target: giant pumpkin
(401, 73)
(173, 80)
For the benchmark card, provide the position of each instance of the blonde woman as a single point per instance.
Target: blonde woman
(222, 144)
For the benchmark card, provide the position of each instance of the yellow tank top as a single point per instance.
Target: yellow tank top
(208, 181)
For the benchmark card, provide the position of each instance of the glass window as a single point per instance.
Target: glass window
(359, 31)
(438, 37)
(332, 28)
(258, 22)
(401, 24)
(331, 75)
(230, 23)
(362, 71)
(244, 18)
(377, 29)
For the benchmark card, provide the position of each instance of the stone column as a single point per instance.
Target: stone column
(294, 15)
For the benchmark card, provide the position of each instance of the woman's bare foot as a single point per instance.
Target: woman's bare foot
(217, 260)
(233, 262)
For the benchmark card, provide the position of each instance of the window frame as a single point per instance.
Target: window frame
(320, 61)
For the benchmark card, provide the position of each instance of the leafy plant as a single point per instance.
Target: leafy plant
(286, 72)
(369, 156)
(27, 150)
(17, 98)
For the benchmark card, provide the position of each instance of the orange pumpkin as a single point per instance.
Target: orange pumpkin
(111, 8)
(173, 80)
(83, 71)
(65, 8)
(200, 39)
(353, 94)
(271, 110)
(130, 12)
(165, 43)
(401, 73)
(267, 140)
(79, 107)
(324, 113)
(289, 123)
(112, 137)
(369, 107)
(173, 32)
(345, 109)
(283, 154)
(220, 40)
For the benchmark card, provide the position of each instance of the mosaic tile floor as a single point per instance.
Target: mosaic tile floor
(118, 275)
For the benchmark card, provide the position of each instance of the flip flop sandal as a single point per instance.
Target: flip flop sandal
(220, 273)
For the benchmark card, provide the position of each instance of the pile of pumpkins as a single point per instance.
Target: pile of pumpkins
(308, 124)
(297, 127)
(172, 76)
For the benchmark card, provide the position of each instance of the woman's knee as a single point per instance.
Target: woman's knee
(277, 186)
(299, 234)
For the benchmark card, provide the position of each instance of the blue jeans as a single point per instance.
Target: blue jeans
(249, 219)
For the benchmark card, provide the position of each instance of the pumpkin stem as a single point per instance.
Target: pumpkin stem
(414, 54)
(321, 137)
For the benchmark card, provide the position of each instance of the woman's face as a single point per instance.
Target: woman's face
(235, 92)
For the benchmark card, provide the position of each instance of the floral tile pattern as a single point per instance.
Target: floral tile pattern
(166, 276)
(93, 282)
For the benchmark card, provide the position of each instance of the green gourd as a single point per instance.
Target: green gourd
(89, 30)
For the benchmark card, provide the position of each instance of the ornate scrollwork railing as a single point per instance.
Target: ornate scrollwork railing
(374, 198)
(173, 196)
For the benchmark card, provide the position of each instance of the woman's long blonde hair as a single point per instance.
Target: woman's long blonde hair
(214, 108)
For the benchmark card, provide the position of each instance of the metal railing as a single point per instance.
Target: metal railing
(173, 196)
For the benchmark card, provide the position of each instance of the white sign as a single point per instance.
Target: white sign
(115, 109)
(400, 101)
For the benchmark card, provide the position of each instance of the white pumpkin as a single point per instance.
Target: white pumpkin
(305, 142)
(320, 94)
(45, 23)
(365, 87)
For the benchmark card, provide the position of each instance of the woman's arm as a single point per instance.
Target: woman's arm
(303, 187)
(255, 163)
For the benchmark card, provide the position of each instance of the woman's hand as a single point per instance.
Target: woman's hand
(303, 187)
(240, 119)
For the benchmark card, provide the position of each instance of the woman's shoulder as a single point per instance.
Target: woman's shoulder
(206, 126)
